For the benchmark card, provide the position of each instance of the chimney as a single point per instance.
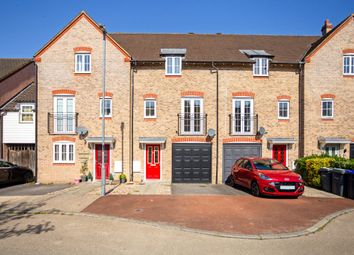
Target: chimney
(326, 27)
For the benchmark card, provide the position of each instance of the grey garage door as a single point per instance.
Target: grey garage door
(191, 163)
(234, 151)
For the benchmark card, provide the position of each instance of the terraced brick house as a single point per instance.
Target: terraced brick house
(180, 108)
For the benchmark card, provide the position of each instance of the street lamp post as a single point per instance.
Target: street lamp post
(103, 113)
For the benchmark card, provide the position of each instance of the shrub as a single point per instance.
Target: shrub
(312, 167)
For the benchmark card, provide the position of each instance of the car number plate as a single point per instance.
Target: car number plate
(287, 187)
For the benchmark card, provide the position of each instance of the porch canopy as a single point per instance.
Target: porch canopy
(152, 140)
(333, 140)
(98, 140)
(281, 140)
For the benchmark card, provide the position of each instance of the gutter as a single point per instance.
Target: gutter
(131, 133)
(216, 70)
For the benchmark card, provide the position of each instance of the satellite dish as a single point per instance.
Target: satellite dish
(82, 131)
(261, 131)
(211, 132)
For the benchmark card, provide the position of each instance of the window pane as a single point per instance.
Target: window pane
(149, 154)
(352, 65)
(177, 66)
(264, 66)
(78, 63)
(257, 66)
(63, 152)
(87, 62)
(27, 117)
(56, 152)
(169, 65)
(156, 154)
(71, 152)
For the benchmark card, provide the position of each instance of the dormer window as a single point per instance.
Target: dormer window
(173, 60)
(173, 66)
(261, 67)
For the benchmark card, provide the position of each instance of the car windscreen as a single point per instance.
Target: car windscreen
(268, 164)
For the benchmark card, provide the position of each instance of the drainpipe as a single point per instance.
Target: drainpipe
(1, 134)
(36, 125)
(216, 70)
(301, 110)
(132, 71)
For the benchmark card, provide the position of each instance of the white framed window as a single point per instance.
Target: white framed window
(283, 109)
(348, 65)
(327, 108)
(150, 108)
(107, 107)
(173, 66)
(64, 115)
(83, 63)
(192, 118)
(261, 67)
(331, 149)
(64, 152)
(242, 116)
(26, 113)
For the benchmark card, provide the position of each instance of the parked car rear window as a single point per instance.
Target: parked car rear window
(268, 164)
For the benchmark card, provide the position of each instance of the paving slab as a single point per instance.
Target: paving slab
(246, 215)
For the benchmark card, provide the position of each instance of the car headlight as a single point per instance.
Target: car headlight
(264, 177)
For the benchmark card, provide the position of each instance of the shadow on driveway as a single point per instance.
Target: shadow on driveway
(31, 189)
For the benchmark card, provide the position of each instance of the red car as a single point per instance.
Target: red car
(264, 176)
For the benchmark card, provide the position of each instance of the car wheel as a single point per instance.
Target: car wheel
(28, 177)
(255, 189)
(230, 181)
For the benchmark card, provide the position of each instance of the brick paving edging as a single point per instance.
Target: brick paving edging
(311, 230)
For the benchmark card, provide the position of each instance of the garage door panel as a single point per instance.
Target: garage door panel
(191, 163)
(232, 152)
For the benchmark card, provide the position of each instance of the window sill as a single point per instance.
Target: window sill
(106, 118)
(64, 164)
(173, 75)
(348, 75)
(82, 74)
(327, 119)
(150, 119)
(261, 76)
(283, 120)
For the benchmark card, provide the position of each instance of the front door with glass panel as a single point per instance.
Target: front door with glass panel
(153, 162)
(98, 160)
(192, 116)
(64, 114)
(279, 153)
(242, 116)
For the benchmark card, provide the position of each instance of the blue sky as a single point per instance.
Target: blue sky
(27, 25)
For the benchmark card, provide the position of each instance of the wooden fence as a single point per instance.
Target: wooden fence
(22, 155)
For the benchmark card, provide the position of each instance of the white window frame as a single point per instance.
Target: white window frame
(179, 72)
(65, 112)
(101, 104)
(60, 160)
(242, 100)
(155, 108)
(336, 150)
(29, 113)
(287, 109)
(82, 69)
(351, 64)
(261, 64)
(192, 126)
(327, 100)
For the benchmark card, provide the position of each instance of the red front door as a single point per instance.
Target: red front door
(279, 153)
(99, 160)
(153, 161)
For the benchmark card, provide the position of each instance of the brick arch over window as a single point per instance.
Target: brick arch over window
(243, 94)
(284, 97)
(192, 94)
(82, 49)
(64, 92)
(108, 94)
(328, 96)
(149, 95)
(63, 138)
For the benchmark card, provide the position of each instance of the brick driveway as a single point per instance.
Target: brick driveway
(226, 214)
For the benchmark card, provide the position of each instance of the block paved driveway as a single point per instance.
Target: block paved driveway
(207, 189)
(222, 213)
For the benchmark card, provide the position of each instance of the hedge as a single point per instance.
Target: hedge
(309, 166)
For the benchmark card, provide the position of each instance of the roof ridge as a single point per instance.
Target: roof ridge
(215, 34)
